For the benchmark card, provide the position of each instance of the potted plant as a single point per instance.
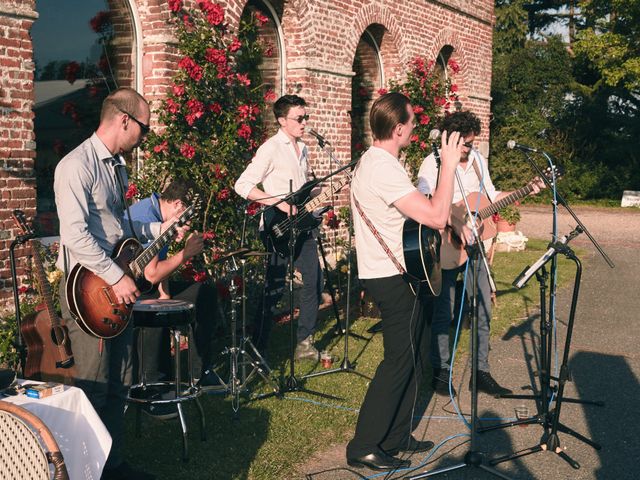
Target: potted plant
(506, 218)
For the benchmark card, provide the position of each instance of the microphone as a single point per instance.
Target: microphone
(511, 144)
(320, 138)
(434, 135)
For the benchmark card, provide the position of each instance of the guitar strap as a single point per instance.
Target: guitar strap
(476, 168)
(403, 272)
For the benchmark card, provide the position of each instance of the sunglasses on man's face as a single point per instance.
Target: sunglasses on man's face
(144, 128)
(468, 144)
(300, 118)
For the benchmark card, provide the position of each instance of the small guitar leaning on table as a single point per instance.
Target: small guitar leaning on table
(92, 301)
(452, 252)
(49, 355)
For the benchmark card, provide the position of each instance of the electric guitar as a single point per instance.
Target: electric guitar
(277, 224)
(452, 252)
(92, 301)
(49, 355)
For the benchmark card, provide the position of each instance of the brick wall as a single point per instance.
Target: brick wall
(321, 38)
(17, 146)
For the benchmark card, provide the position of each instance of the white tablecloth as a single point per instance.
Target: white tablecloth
(82, 437)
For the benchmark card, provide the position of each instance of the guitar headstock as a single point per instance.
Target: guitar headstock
(555, 172)
(191, 210)
(21, 222)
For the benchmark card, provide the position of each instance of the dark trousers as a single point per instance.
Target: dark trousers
(104, 374)
(157, 358)
(274, 287)
(385, 416)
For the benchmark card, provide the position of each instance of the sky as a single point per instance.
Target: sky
(62, 31)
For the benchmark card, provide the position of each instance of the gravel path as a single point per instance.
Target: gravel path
(604, 362)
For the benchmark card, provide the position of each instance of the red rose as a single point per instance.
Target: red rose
(262, 19)
(453, 65)
(196, 110)
(415, 138)
(132, 191)
(175, 5)
(187, 151)
(162, 147)
(332, 220)
(253, 208)
(178, 90)
(208, 235)
(223, 194)
(244, 131)
(215, 107)
(172, 105)
(243, 79)
(100, 22)
(418, 109)
(270, 96)
(235, 45)
(200, 276)
(424, 119)
(216, 56)
(23, 289)
(382, 91)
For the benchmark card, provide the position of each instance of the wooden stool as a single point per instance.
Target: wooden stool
(177, 316)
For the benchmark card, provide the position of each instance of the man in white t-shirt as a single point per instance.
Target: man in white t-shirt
(383, 192)
(474, 174)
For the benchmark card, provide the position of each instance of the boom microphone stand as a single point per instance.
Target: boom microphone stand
(551, 442)
(473, 457)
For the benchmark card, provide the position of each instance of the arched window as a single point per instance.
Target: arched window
(82, 51)
(367, 80)
(270, 35)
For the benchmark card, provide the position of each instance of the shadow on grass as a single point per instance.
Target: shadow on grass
(230, 449)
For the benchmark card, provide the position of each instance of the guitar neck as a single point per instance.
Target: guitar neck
(43, 282)
(142, 260)
(315, 203)
(503, 202)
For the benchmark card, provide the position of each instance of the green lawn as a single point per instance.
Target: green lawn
(271, 437)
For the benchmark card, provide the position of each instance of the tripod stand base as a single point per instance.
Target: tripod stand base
(471, 459)
(552, 445)
(345, 367)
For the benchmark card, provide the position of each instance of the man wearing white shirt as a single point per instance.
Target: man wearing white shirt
(474, 173)
(281, 163)
(382, 198)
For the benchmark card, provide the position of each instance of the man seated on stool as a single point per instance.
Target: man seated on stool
(173, 201)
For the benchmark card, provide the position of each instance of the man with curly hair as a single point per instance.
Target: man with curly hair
(474, 173)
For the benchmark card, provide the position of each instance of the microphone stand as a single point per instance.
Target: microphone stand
(18, 341)
(473, 457)
(292, 383)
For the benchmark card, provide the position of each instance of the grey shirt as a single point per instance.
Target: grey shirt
(91, 211)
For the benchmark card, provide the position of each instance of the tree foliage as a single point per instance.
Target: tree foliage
(578, 101)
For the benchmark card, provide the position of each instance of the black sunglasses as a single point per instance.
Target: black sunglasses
(144, 128)
(299, 118)
(468, 144)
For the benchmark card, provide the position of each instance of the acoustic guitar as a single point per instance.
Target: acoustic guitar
(452, 251)
(49, 355)
(92, 301)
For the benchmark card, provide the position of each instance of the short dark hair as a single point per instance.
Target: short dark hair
(122, 100)
(285, 103)
(179, 189)
(464, 122)
(386, 112)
